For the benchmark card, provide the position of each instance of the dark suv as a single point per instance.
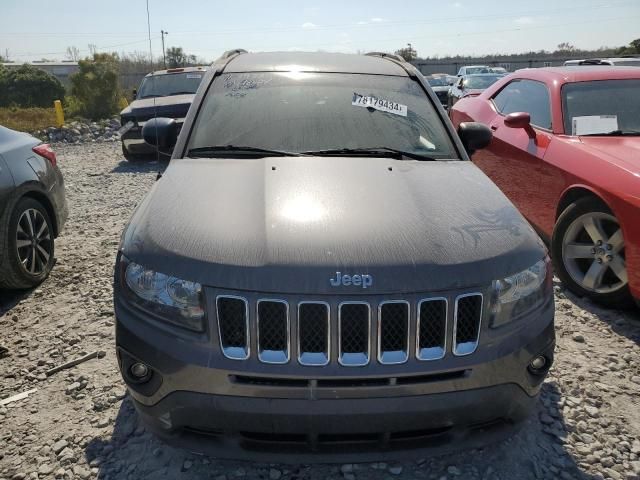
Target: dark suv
(322, 274)
(165, 93)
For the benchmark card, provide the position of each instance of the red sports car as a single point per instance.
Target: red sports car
(566, 151)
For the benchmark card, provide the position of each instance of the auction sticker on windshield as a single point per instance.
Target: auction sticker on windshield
(379, 104)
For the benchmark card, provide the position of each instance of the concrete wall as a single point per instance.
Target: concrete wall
(451, 66)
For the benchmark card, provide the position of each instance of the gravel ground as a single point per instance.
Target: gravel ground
(79, 423)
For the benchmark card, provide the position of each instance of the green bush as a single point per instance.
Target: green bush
(94, 87)
(28, 86)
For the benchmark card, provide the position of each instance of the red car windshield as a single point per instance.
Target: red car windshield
(602, 107)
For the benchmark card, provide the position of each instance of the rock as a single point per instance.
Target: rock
(187, 465)
(578, 338)
(72, 388)
(395, 469)
(346, 468)
(45, 469)
(453, 470)
(59, 446)
(607, 462)
(592, 411)
(546, 419)
(274, 474)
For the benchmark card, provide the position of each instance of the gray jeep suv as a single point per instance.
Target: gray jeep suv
(322, 274)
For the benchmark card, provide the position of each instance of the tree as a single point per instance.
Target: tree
(73, 54)
(28, 86)
(176, 57)
(632, 49)
(566, 47)
(409, 53)
(95, 86)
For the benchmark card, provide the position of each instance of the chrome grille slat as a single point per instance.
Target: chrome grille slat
(431, 331)
(314, 327)
(232, 313)
(466, 323)
(273, 331)
(272, 327)
(393, 332)
(354, 334)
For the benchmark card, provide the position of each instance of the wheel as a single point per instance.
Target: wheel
(588, 253)
(29, 256)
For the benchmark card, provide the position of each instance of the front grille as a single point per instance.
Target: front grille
(313, 333)
(273, 331)
(354, 330)
(432, 329)
(397, 337)
(233, 326)
(393, 332)
(466, 327)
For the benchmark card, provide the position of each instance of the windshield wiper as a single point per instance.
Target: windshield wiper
(181, 93)
(152, 95)
(614, 133)
(380, 151)
(214, 150)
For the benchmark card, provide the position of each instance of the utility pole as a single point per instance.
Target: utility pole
(410, 51)
(164, 57)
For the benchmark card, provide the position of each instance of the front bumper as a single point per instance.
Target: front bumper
(343, 430)
(245, 409)
(133, 143)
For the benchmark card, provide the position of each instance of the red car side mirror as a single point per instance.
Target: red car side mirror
(520, 120)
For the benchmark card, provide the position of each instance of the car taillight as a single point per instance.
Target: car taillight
(45, 150)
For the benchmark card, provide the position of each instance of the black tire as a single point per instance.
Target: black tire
(13, 274)
(621, 297)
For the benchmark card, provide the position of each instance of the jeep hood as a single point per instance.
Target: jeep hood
(287, 224)
(174, 106)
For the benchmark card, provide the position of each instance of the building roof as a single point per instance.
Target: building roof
(314, 62)
(41, 64)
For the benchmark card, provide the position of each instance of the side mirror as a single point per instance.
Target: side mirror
(160, 132)
(474, 136)
(135, 92)
(520, 120)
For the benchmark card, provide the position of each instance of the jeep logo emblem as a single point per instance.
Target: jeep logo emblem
(363, 281)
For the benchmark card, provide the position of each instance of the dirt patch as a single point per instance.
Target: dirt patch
(79, 422)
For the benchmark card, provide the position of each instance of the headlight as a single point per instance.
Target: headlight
(520, 293)
(169, 298)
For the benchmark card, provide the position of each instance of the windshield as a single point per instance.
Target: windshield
(472, 70)
(170, 84)
(305, 112)
(438, 81)
(601, 106)
(481, 82)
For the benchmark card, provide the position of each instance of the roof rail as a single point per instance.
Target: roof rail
(231, 53)
(393, 56)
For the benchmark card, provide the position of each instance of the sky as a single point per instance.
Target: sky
(35, 29)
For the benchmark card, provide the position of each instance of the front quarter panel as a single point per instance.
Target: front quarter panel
(569, 164)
